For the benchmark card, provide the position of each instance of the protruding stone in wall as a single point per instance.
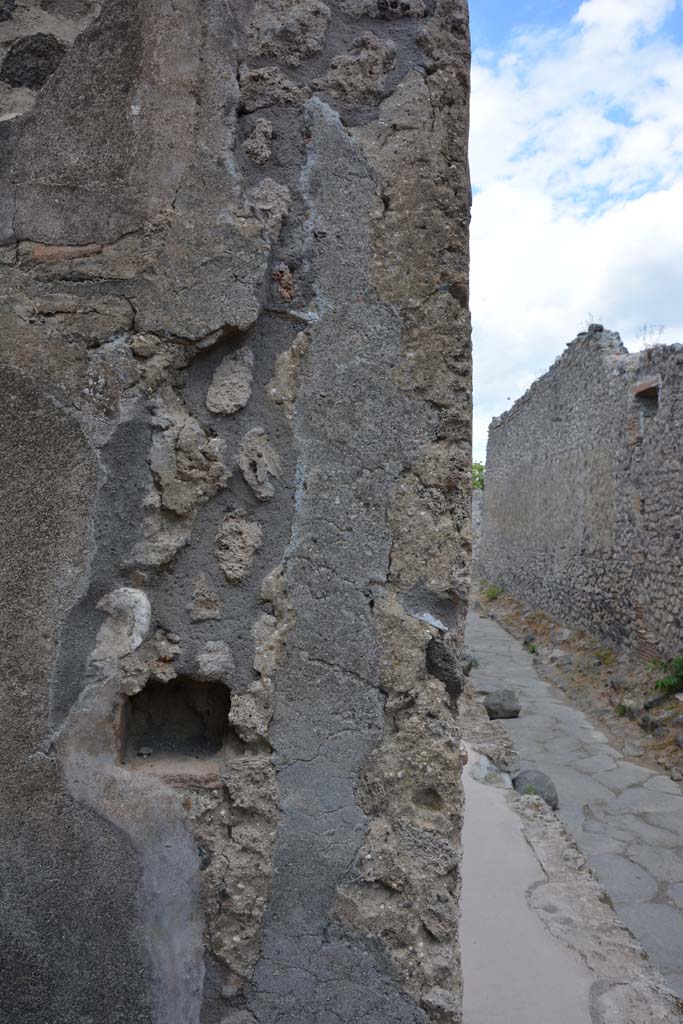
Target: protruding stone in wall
(443, 662)
(206, 603)
(216, 661)
(127, 624)
(284, 281)
(145, 346)
(384, 9)
(359, 76)
(287, 30)
(271, 202)
(271, 627)
(187, 464)
(266, 87)
(238, 539)
(258, 144)
(259, 463)
(230, 388)
(285, 382)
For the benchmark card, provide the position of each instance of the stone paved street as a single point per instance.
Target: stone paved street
(626, 819)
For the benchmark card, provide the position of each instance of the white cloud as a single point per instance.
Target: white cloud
(577, 162)
(624, 16)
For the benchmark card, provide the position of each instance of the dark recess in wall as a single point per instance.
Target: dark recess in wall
(183, 718)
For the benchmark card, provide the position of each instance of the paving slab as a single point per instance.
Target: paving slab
(627, 820)
(663, 922)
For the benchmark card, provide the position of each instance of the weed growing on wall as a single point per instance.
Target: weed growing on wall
(649, 335)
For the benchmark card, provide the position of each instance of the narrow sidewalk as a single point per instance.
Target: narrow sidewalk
(514, 971)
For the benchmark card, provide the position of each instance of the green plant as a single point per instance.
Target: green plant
(605, 656)
(478, 470)
(621, 710)
(530, 791)
(672, 682)
(493, 592)
(532, 648)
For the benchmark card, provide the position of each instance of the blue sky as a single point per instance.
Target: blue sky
(494, 21)
(577, 168)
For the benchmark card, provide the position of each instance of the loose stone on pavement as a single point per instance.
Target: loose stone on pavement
(535, 783)
(502, 704)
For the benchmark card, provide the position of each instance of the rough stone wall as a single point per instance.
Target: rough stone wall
(477, 516)
(234, 342)
(584, 494)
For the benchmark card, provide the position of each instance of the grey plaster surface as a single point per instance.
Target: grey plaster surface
(627, 820)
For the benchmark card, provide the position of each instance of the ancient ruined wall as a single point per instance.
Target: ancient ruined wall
(234, 347)
(584, 494)
(477, 515)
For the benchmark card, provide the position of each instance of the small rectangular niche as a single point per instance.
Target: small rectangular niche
(180, 723)
(646, 398)
(646, 392)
